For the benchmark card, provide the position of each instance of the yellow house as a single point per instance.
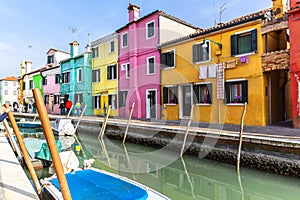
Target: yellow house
(104, 75)
(216, 71)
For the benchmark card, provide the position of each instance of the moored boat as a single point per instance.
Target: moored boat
(62, 126)
(93, 183)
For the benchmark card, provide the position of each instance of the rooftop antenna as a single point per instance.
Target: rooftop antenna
(222, 8)
(74, 30)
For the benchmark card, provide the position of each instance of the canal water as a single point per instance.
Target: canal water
(184, 178)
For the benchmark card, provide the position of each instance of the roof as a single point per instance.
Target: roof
(10, 78)
(161, 13)
(231, 23)
(55, 50)
(104, 39)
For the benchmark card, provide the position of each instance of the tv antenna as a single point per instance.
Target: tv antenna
(222, 8)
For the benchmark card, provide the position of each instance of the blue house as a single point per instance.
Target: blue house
(76, 78)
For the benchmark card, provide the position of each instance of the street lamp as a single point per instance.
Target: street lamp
(217, 43)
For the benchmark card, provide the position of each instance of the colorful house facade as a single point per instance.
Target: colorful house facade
(294, 24)
(76, 75)
(139, 60)
(52, 78)
(104, 74)
(215, 72)
(9, 90)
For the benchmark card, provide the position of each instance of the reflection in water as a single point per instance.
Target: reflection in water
(191, 178)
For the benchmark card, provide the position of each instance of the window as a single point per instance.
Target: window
(96, 76)
(201, 52)
(124, 40)
(14, 83)
(57, 78)
(14, 92)
(78, 97)
(122, 98)
(150, 30)
(127, 70)
(95, 52)
(151, 65)
(236, 91)
(202, 93)
(111, 72)
(50, 59)
(112, 47)
(112, 101)
(96, 101)
(245, 42)
(66, 77)
(5, 83)
(30, 84)
(79, 75)
(5, 92)
(168, 59)
(46, 99)
(44, 79)
(56, 99)
(170, 94)
(23, 86)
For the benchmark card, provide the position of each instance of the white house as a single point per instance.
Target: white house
(9, 90)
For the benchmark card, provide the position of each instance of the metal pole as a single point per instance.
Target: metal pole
(24, 150)
(187, 130)
(128, 122)
(51, 144)
(104, 123)
(241, 139)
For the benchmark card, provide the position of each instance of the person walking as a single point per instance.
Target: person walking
(77, 108)
(68, 106)
(62, 107)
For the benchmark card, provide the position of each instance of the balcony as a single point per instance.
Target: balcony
(275, 24)
(276, 60)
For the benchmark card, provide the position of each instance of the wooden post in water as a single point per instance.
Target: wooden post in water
(241, 139)
(187, 130)
(80, 118)
(101, 134)
(52, 144)
(35, 116)
(128, 122)
(70, 111)
(24, 150)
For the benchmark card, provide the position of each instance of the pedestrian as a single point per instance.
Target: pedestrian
(68, 106)
(77, 108)
(62, 107)
(4, 114)
(16, 107)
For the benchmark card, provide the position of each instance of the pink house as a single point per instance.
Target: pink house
(52, 84)
(139, 60)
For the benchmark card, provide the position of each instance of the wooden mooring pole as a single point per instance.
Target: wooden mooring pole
(80, 118)
(70, 111)
(187, 130)
(241, 139)
(24, 150)
(102, 131)
(128, 122)
(52, 144)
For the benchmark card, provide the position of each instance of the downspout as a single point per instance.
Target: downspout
(270, 99)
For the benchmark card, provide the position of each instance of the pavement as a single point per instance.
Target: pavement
(14, 184)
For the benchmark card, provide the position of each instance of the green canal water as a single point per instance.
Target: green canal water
(187, 178)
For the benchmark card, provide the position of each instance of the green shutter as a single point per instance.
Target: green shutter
(176, 94)
(163, 60)
(209, 86)
(195, 53)
(165, 95)
(115, 71)
(245, 91)
(227, 92)
(196, 94)
(254, 39)
(172, 64)
(234, 45)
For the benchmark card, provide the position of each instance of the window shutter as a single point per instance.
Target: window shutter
(196, 94)
(163, 60)
(227, 92)
(254, 39)
(245, 91)
(209, 86)
(108, 72)
(94, 102)
(120, 99)
(234, 45)
(195, 53)
(115, 71)
(165, 93)
(109, 99)
(172, 59)
(93, 76)
(176, 94)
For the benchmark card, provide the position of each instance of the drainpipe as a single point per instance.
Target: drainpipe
(270, 99)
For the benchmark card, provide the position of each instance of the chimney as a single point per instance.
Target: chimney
(74, 49)
(25, 67)
(279, 8)
(134, 12)
(88, 46)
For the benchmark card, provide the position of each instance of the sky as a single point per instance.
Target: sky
(30, 28)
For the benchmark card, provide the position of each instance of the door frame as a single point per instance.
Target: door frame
(148, 108)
